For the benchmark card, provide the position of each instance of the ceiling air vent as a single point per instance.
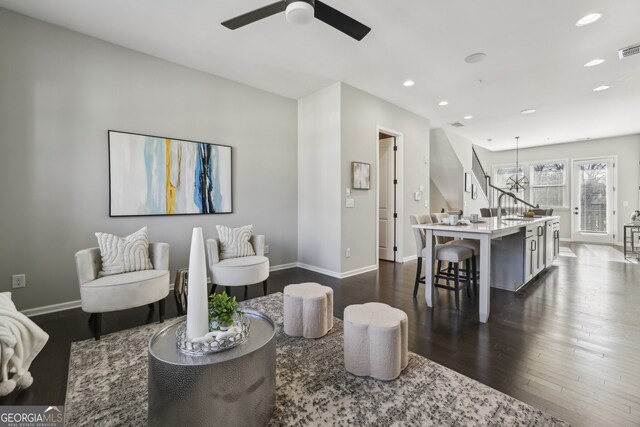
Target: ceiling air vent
(457, 125)
(628, 51)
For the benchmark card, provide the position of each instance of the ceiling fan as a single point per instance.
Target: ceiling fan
(302, 12)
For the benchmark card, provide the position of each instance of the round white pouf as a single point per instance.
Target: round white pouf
(308, 310)
(375, 340)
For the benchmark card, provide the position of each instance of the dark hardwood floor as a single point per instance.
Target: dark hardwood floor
(569, 343)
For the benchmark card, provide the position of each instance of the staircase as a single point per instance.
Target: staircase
(514, 205)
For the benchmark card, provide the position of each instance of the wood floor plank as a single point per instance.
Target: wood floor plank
(568, 343)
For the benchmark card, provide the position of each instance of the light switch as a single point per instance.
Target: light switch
(426, 204)
(417, 196)
(625, 203)
(351, 203)
(347, 192)
(421, 188)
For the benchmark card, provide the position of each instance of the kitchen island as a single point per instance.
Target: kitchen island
(512, 252)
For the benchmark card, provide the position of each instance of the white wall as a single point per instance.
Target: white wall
(446, 171)
(627, 148)
(436, 199)
(60, 93)
(361, 113)
(463, 148)
(319, 180)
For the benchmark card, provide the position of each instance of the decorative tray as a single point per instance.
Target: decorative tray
(224, 340)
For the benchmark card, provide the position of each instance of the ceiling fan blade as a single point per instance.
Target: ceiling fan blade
(255, 15)
(340, 21)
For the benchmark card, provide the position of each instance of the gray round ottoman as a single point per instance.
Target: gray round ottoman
(236, 387)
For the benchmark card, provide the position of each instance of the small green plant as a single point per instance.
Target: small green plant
(222, 308)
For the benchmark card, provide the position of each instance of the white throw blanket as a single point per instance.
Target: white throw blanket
(20, 342)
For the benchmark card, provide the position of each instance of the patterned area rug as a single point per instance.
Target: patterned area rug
(108, 386)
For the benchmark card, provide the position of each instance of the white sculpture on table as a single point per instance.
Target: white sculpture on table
(20, 342)
(197, 304)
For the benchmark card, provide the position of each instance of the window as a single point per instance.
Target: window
(502, 173)
(548, 184)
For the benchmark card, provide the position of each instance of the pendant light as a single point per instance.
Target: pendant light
(517, 182)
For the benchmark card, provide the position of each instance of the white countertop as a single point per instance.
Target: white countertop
(489, 225)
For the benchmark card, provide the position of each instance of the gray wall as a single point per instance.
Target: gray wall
(60, 93)
(319, 180)
(627, 148)
(361, 113)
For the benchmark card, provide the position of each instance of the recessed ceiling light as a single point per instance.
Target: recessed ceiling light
(588, 19)
(601, 88)
(468, 117)
(475, 57)
(594, 62)
(408, 83)
(528, 111)
(443, 103)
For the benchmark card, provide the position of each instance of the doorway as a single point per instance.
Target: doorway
(389, 200)
(593, 200)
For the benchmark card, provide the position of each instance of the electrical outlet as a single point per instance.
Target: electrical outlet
(18, 281)
(347, 253)
(426, 204)
(266, 249)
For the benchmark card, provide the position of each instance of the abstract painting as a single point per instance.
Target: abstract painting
(360, 176)
(150, 175)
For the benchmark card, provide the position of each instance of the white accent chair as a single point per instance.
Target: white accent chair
(240, 271)
(122, 291)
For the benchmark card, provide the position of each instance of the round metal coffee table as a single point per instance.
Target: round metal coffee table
(233, 387)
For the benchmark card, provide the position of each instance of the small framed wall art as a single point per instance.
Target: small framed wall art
(360, 176)
(474, 191)
(467, 182)
(150, 175)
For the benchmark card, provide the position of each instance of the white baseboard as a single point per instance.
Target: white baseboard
(409, 258)
(30, 312)
(318, 270)
(36, 311)
(283, 266)
(358, 271)
(618, 243)
(336, 274)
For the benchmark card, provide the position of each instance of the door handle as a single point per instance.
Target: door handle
(575, 213)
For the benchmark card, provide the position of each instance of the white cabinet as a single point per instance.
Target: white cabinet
(555, 225)
(530, 253)
(540, 241)
(549, 243)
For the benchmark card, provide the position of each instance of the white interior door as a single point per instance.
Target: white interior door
(592, 200)
(386, 202)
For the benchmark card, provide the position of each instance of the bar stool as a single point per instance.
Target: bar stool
(454, 255)
(472, 244)
(449, 253)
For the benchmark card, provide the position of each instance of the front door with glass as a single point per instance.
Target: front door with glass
(592, 200)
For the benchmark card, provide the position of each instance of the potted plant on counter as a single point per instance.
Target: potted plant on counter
(222, 309)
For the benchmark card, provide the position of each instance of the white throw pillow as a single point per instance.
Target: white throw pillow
(234, 242)
(124, 254)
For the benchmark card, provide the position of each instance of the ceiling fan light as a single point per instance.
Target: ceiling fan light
(299, 13)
